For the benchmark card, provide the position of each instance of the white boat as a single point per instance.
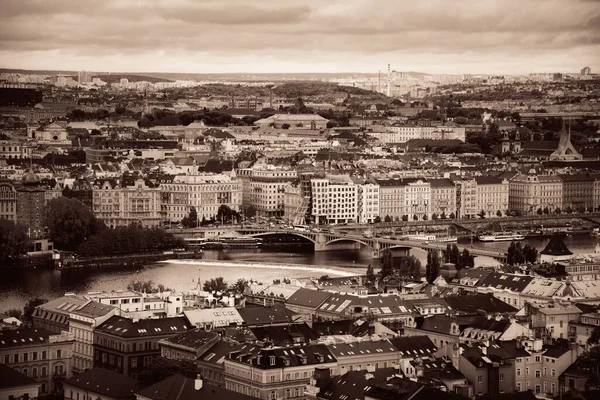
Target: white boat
(448, 239)
(500, 237)
(421, 238)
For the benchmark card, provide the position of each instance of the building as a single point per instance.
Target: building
(466, 198)
(551, 321)
(491, 196)
(265, 190)
(585, 71)
(578, 192)
(368, 202)
(178, 387)
(12, 149)
(100, 384)
(443, 197)
(206, 193)
(334, 200)
(295, 121)
(364, 356)
(8, 200)
(528, 193)
(127, 345)
(15, 385)
(82, 322)
(565, 150)
(30, 205)
(141, 305)
(417, 200)
(275, 373)
(84, 77)
(40, 355)
(126, 202)
(403, 133)
(188, 345)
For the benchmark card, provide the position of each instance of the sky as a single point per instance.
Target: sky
(269, 36)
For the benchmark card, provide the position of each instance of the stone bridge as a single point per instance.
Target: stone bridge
(324, 241)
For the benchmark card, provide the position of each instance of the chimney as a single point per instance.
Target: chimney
(198, 383)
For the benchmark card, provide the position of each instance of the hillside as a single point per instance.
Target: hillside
(114, 78)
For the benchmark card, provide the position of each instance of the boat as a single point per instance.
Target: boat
(421, 238)
(500, 237)
(224, 242)
(447, 239)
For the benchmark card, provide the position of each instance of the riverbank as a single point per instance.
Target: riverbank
(126, 260)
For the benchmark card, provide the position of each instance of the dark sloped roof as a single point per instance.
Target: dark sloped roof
(193, 339)
(472, 303)
(408, 345)
(126, 327)
(490, 324)
(104, 382)
(308, 298)
(9, 378)
(285, 335)
(178, 387)
(266, 315)
(556, 247)
(341, 327)
(23, 337)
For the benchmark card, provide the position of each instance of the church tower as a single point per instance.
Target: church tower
(565, 150)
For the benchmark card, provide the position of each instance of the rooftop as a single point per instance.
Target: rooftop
(23, 337)
(9, 378)
(128, 328)
(104, 383)
(178, 387)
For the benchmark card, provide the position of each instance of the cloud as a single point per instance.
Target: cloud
(360, 34)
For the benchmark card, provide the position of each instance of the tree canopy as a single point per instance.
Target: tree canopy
(217, 284)
(70, 223)
(14, 241)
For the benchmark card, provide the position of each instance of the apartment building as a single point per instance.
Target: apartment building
(15, 385)
(205, 192)
(100, 384)
(403, 133)
(55, 314)
(82, 322)
(466, 198)
(141, 305)
(417, 199)
(368, 202)
(391, 198)
(40, 355)
(266, 190)
(126, 202)
(368, 355)
(578, 192)
(491, 196)
(528, 193)
(335, 200)
(277, 373)
(127, 345)
(8, 200)
(443, 197)
(551, 321)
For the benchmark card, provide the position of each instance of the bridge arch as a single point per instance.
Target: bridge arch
(297, 234)
(348, 240)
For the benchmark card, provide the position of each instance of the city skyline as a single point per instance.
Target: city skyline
(494, 37)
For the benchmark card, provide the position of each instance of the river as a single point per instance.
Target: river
(16, 286)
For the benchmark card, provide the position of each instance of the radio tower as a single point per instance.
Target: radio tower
(388, 80)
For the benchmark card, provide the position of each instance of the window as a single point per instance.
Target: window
(6, 359)
(553, 372)
(538, 374)
(16, 358)
(518, 371)
(479, 379)
(527, 371)
(501, 377)
(537, 358)
(538, 389)
(43, 355)
(25, 357)
(58, 353)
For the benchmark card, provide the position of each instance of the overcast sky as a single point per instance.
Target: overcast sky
(436, 36)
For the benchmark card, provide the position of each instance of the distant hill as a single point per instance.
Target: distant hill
(114, 78)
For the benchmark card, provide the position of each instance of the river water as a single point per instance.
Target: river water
(16, 286)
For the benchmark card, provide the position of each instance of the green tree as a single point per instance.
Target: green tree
(190, 220)
(432, 268)
(594, 338)
(568, 210)
(530, 254)
(557, 211)
(540, 211)
(387, 219)
(514, 254)
(434, 217)
(546, 211)
(409, 267)
(415, 217)
(226, 214)
(15, 313)
(285, 126)
(14, 241)
(29, 308)
(377, 219)
(498, 213)
(443, 215)
(161, 368)
(425, 218)
(482, 214)
(370, 273)
(217, 284)
(465, 259)
(452, 216)
(239, 287)
(249, 211)
(387, 263)
(405, 218)
(70, 223)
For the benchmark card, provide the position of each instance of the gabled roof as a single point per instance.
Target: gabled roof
(23, 337)
(556, 247)
(308, 298)
(9, 378)
(105, 383)
(409, 346)
(472, 303)
(178, 387)
(93, 309)
(266, 315)
(129, 328)
(193, 338)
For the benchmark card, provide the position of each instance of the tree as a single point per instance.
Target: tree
(14, 241)
(514, 254)
(546, 211)
(557, 211)
(387, 219)
(443, 215)
(285, 126)
(498, 213)
(215, 285)
(15, 313)
(409, 267)
(434, 217)
(239, 287)
(452, 216)
(530, 254)
(147, 287)
(249, 211)
(482, 214)
(569, 210)
(540, 211)
(190, 220)
(594, 338)
(161, 368)
(70, 223)
(405, 218)
(465, 259)
(226, 214)
(370, 273)
(415, 217)
(377, 219)
(387, 263)
(29, 308)
(432, 268)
